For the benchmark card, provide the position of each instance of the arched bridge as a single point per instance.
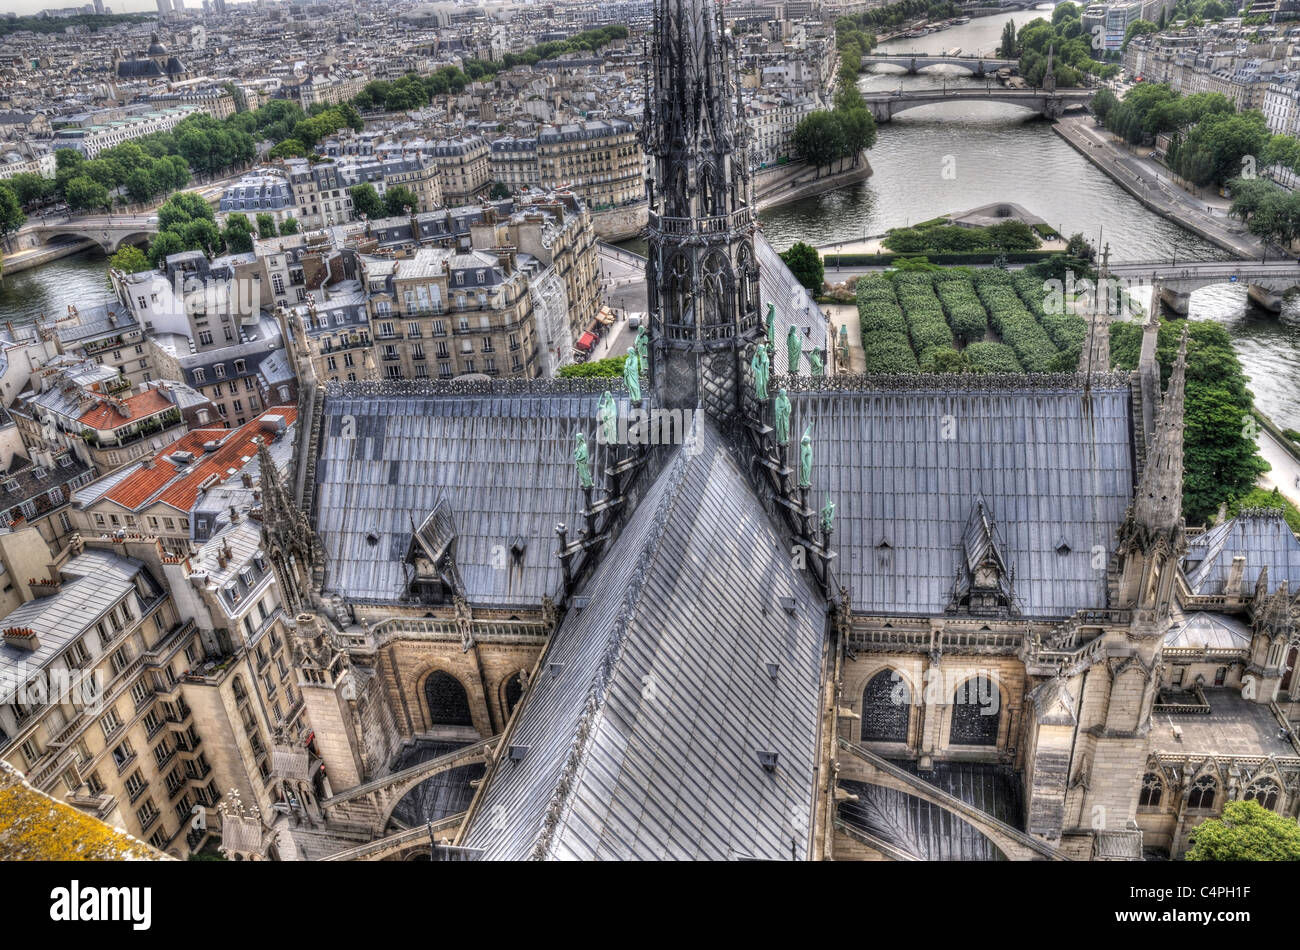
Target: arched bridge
(1265, 282)
(888, 810)
(915, 62)
(109, 231)
(1050, 105)
(368, 807)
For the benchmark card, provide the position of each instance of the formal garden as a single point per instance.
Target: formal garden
(931, 319)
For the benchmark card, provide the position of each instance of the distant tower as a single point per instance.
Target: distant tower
(702, 274)
(178, 6)
(1049, 77)
(164, 8)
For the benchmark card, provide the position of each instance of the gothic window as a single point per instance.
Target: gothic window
(447, 699)
(1202, 793)
(886, 704)
(678, 292)
(976, 712)
(514, 692)
(1293, 659)
(1152, 789)
(717, 318)
(747, 288)
(1263, 791)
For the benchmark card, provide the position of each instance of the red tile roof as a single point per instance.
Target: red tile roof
(165, 482)
(105, 416)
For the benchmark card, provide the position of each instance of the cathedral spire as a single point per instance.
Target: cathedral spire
(1149, 367)
(702, 272)
(1095, 356)
(1158, 508)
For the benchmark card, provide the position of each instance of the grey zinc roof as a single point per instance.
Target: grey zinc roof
(93, 582)
(794, 306)
(668, 665)
(1215, 631)
(1262, 537)
(906, 467)
(504, 462)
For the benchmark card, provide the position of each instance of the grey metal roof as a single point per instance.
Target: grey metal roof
(645, 723)
(1262, 537)
(1215, 631)
(907, 466)
(794, 306)
(93, 582)
(504, 462)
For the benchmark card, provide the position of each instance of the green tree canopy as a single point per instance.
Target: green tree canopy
(398, 198)
(129, 260)
(1246, 832)
(366, 201)
(289, 225)
(86, 194)
(806, 265)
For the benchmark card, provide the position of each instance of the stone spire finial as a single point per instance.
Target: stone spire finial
(1158, 508)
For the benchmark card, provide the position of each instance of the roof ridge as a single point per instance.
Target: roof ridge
(649, 552)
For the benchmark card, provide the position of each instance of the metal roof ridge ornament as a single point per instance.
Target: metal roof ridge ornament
(540, 386)
(956, 382)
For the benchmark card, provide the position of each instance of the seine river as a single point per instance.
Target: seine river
(927, 162)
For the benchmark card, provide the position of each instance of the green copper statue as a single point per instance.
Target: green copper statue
(828, 516)
(632, 374)
(805, 458)
(607, 416)
(643, 348)
(793, 349)
(582, 459)
(762, 369)
(815, 361)
(782, 418)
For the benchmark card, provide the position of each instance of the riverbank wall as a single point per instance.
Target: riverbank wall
(782, 184)
(1070, 135)
(26, 260)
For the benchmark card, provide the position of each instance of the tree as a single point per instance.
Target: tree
(1007, 46)
(203, 235)
(289, 148)
(365, 201)
(140, 185)
(181, 208)
(610, 366)
(289, 225)
(1246, 832)
(129, 260)
(1079, 247)
(818, 139)
(238, 234)
(86, 194)
(806, 265)
(1103, 103)
(1138, 28)
(499, 191)
(163, 246)
(399, 198)
(29, 187)
(265, 225)
(11, 212)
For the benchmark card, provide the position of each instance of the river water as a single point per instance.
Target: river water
(950, 158)
(928, 162)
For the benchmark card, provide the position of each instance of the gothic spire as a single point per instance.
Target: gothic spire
(701, 271)
(1095, 356)
(1157, 509)
(1149, 367)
